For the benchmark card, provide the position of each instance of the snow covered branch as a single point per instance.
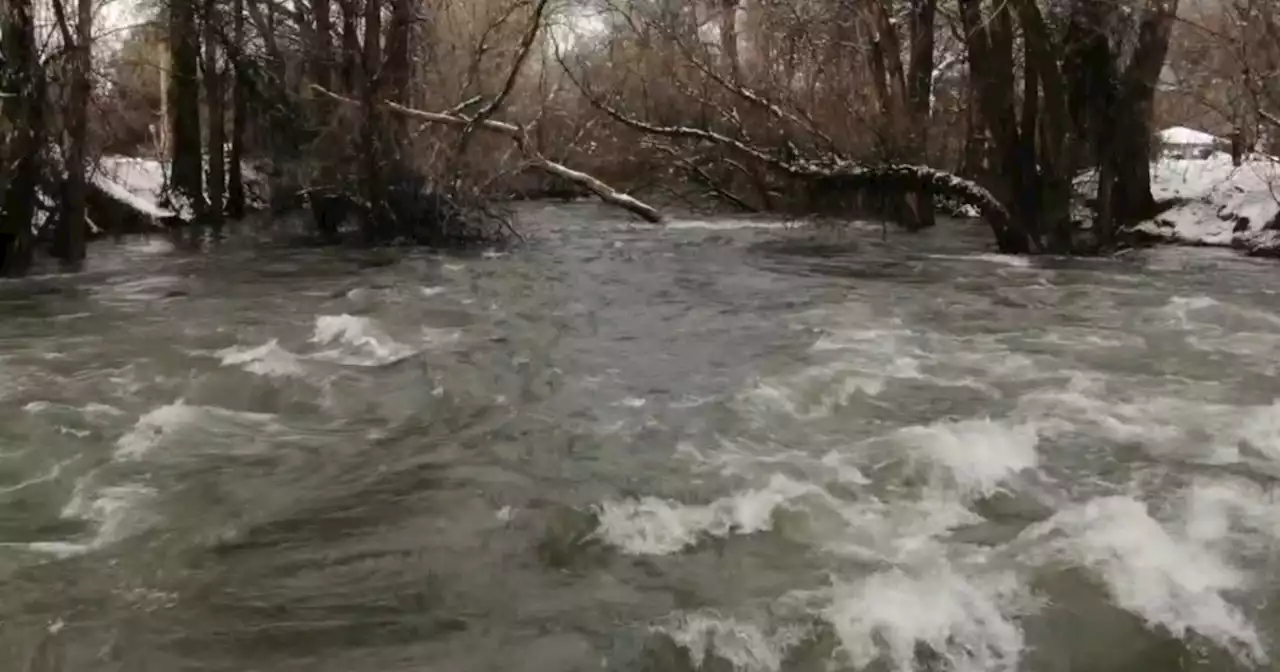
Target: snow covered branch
(1270, 118)
(517, 135)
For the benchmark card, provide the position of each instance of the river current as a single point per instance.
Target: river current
(728, 445)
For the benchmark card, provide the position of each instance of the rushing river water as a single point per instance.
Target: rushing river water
(715, 447)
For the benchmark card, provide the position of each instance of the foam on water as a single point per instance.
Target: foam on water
(1165, 427)
(978, 455)
(747, 646)
(965, 619)
(1203, 310)
(1001, 259)
(90, 409)
(819, 390)
(360, 341)
(1173, 579)
(931, 602)
(654, 526)
(162, 423)
(119, 511)
(268, 359)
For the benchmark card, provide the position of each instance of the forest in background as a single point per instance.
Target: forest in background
(411, 117)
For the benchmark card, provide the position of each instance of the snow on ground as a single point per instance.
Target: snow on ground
(1217, 203)
(140, 184)
(1181, 135)
(136, 182)
(1210, 201)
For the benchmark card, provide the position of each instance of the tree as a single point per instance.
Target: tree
(184, 104)
(216, 119)
(23, 85)
(240, 109)
(72, 226)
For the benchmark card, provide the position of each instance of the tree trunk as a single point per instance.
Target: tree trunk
(184, 104)
(25, 79)
(217, 120)
(729, 38)
(1133, 201)
(989, 43)
(322, 59)
(239, 112)
(1028, 164)
(919, 95)
(396, 71)
(72, 227)
(371, 76)
(350, 44)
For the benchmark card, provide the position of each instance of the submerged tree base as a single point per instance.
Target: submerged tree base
(412, 214)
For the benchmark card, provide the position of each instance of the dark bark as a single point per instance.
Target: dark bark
(989, 44)
(322, 59)
(919, 94)
(69, 241)
(1132, 199)
(729, 38)
(900, 103)
(184, 103)
(350, 44)
(239, 112)
(370, 98)
(24, 78)
(396, 71)
(1028, 166)
(217, 120)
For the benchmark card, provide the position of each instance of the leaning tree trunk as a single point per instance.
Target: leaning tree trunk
(184, 104)
(239, 112)
(217, 120)
(25, 81)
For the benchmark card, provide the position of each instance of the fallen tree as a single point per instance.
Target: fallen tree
(829, 168)
(517, 135)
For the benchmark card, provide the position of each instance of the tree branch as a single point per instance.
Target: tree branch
(845, 173)
(517, 135)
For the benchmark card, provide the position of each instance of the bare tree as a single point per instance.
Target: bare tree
(184, 103)
(72, 226)
(23, 84)
(239, 110)
(216, 123)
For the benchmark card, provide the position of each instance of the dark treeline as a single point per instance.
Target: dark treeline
(402, 120)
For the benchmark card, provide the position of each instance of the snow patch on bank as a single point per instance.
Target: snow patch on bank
(140, 184)
(1218, 203)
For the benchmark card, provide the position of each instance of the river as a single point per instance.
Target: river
(728, 445)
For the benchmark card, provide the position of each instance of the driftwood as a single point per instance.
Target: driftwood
(517, 135)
